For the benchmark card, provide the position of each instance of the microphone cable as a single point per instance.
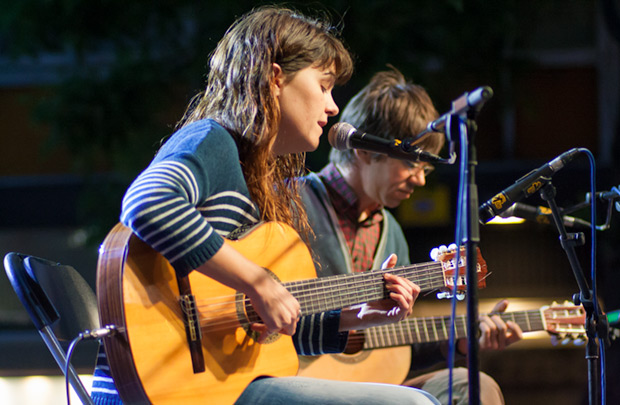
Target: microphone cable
(597, 310)
(109, 330)
(458, 238)
(72, 346)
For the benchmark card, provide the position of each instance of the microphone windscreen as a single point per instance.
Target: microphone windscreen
(339, 134)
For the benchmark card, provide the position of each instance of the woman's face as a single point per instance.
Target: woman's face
(305, 104)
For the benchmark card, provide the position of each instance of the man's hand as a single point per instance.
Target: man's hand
(495, 334)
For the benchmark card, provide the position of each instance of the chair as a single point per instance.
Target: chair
(60, 303)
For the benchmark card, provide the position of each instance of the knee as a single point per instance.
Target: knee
(490, 392)
(487, 380)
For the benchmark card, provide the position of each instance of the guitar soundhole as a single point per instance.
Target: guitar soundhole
(247, 315)
(352, 358)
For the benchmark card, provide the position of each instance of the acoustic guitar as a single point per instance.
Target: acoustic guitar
(188, 341)
(371, 349)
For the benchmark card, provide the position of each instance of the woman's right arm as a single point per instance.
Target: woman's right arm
(161, 207)
(275, 305)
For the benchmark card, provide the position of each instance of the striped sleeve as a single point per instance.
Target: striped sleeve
(318, 334)
(160, 207)
(104, 391)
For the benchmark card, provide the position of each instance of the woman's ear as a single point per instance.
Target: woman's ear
(278, 79)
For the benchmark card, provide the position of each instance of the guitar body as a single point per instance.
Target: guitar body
(150, 358)
(389, 365)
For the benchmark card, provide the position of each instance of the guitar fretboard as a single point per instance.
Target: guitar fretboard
(336, 292)
(340, 291)
(328, 293)
(435, 329)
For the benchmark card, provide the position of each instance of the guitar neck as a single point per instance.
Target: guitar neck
(335, 292)
(435, 329)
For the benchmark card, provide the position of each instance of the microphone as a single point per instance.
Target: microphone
(542, 215)
(343, 136)
(606, 195)
(469, 100)
(524, 187)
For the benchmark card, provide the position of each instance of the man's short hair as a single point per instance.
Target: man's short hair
(390, 107)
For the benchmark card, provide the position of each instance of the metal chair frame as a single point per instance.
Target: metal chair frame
(39, 282)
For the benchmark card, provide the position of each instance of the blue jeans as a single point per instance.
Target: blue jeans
(313, 391)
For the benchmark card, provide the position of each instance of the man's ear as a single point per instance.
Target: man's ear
(278, 78)
(363, 156)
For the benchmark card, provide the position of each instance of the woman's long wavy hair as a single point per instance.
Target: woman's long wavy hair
(240, 96)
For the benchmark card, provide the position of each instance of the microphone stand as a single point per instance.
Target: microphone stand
(463, 114)
(469, 235)
(471, 239)
(605, 196)
(596, 323)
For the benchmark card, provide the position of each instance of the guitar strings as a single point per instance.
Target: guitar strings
(227, 317)
(359, 280)
(302, 292)
(224, 311)
(350, 289)
(368, 275)
(432, 329)
(420, 330)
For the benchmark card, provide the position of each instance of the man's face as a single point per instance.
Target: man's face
(389, 181)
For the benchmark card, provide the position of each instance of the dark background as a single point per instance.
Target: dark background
(89, 88)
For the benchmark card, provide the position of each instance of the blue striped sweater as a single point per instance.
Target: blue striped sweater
(191, 196)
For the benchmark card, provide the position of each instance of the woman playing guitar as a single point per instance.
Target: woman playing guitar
(268, 97)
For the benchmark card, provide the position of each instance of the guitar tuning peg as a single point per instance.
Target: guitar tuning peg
(440, 250)
(443, 295)
(578, 342)
(566, 341)
(460, 295)
(452, 246)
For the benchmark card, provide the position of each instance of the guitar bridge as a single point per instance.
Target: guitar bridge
(188, 303)
(192, 325)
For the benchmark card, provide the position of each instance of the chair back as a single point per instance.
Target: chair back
(54, 295)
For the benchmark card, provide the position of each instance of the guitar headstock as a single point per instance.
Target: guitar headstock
(565, 322)
(448, 260)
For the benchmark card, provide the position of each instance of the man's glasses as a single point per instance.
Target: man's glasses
(415, 167)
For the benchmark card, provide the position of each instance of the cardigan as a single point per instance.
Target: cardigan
(332, 255)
